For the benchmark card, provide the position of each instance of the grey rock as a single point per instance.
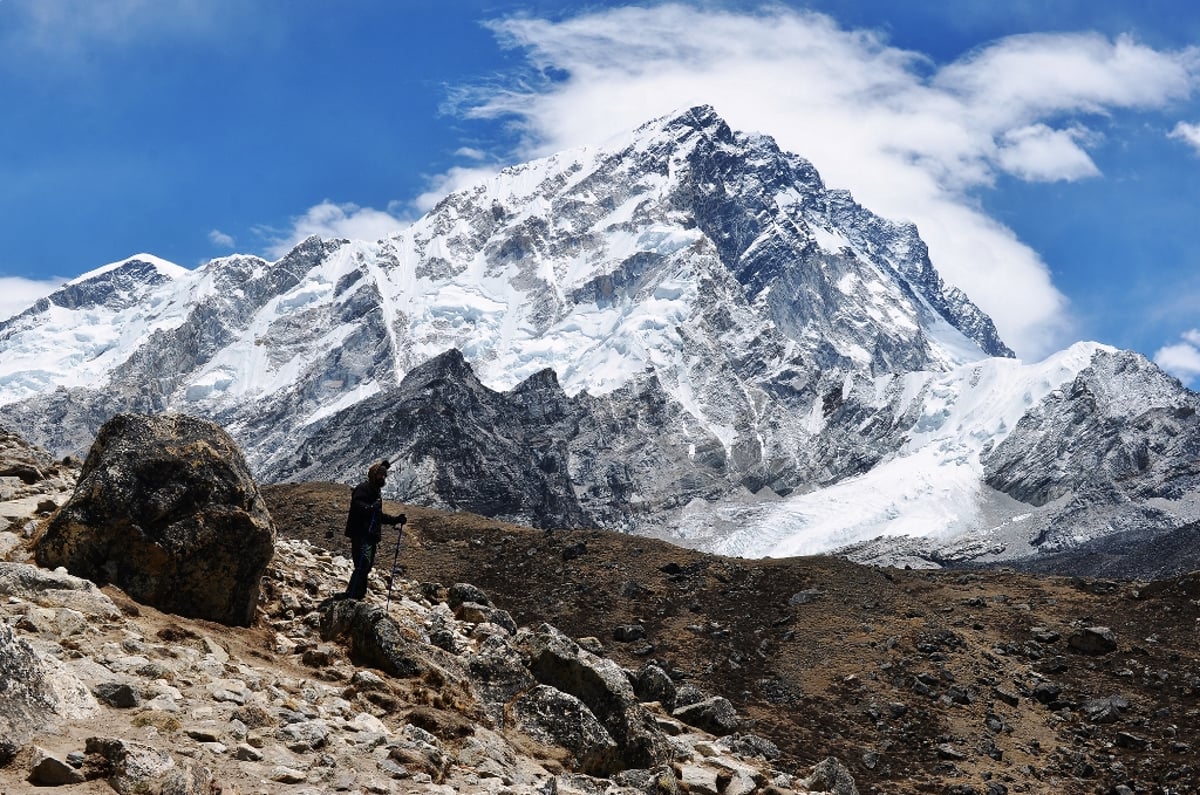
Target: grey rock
(627, 633)
(557, 718)
(687, 693)
(56, 588)
(598, 682)
(714, 715)
(1047, 692)
(132, 766)
(1007, 696)
(1131, 741)
(37, 692)
(948, 751)
(166, 509)
(287, 775)
(117, 694)
(49, 771)
(804, 597)
(831, 776)
(750, 745)
(483, 614)
(652, 683)
(376, 639)
(462, 592)
(247, 753)
(699, 779)
(367, 680)
(1105, 710)
(1094, 641)
(656, 781)
(498, 672)
(304, 736)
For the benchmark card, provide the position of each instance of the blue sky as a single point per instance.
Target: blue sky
(1050, 156)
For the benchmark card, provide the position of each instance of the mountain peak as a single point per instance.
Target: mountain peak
(138, 263)
(697, 117)
(683, 332)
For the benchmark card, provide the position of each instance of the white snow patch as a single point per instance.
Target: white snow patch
(933, 486)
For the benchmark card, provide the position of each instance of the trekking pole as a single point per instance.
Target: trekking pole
(395, 558)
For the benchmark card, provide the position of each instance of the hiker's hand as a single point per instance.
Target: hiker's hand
(402, 519)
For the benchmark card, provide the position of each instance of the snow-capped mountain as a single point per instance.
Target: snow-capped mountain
(682, 333)
(78, 334)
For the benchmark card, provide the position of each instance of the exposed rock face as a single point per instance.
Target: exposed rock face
(1107, 437)
(165, 509)
(531, 455)
(35, 691)
(394, 646)
(32, 484)
(715, 715)
(601, 685)
(557, 718)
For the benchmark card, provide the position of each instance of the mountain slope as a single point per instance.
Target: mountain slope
(682, 333)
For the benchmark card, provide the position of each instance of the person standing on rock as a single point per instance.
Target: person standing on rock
(364, 527)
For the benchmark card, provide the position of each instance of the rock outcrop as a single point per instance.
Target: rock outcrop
(347, 696)
(166, 509)
(32, 485)
(35, 692)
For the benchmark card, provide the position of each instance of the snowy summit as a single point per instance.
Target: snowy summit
(744, 359)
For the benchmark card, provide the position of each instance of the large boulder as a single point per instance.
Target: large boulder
(553, 717)
(558, 661)
(397, 647)
(166, 509)
(498, 673)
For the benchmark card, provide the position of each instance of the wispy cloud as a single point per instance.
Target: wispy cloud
(911, 139)
(331, 220)
(18, 294)
(68, 27)
(1188, 133)
(219, 238)
(1038, 153)
(1182, 359)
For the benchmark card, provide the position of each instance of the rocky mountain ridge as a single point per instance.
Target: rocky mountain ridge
(682, 334)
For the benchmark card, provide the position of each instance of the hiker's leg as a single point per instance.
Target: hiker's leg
(364, 556)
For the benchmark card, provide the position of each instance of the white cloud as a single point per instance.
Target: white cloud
(219, 238)
(910, 139)
(1040, 154)
(1182, 359)
(329, 220)
(18, 294)
(1188, 133)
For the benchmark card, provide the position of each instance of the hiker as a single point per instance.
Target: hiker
(364, 526)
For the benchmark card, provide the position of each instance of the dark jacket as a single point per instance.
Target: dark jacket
(366, 516)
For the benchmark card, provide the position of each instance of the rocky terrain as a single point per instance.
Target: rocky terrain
(915, 681)
(422, 687)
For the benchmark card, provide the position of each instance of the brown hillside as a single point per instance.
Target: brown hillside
(919, 681)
